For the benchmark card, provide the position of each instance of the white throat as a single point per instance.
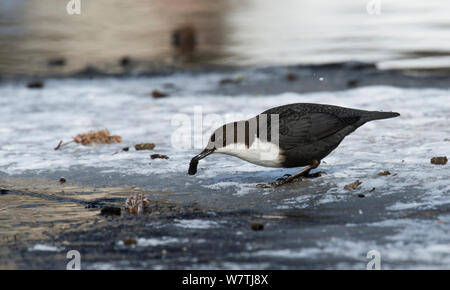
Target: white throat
(260, 152)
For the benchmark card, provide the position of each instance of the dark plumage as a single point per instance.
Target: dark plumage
(307, 133)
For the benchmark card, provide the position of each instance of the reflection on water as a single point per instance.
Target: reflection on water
(33, 208)
(411, 33)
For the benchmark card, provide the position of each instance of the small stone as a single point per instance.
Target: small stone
(35, 85)
(160, 156)
(361, 195)
(62, 179)
(352, 83)
(257, 226)
(441, 160)
(126, 149)
(144, 146)
(157, 94)
(373, 189)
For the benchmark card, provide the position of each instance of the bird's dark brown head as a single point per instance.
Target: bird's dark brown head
(194, 161)
(216, 141)
(210, 148)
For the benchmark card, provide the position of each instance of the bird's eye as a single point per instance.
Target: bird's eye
(213, 137)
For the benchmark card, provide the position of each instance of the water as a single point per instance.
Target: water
(405, 34)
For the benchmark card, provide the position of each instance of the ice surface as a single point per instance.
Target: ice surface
(45, 248)
(33, 121)
(195, 224)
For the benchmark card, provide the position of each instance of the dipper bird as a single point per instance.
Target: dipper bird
(293, 135)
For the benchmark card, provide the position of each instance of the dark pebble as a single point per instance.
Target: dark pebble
(110, 210)
(57, 62)
(228, 81)
(35, 85)
(352, 83)
(361, 195)
(125, 61)
(144, 146)
(62, 179)
(291, 76)
(257, 226)
(4, 191)
(155, 156)
(157, 94)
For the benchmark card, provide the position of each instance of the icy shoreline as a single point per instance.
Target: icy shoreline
(392, 216)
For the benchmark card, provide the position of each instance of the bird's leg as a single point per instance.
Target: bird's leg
(303, 173)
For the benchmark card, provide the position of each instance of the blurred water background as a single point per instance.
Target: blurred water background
(406, 34)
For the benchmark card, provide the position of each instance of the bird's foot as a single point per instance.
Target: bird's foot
(287, 178)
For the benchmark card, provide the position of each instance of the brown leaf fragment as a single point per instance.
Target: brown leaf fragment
(353, 185)
(290, 76)
(136, 205)
(129, 241)
(144, 146)
(161, 156)
(96, 137)
(384, 173)
(441, 160)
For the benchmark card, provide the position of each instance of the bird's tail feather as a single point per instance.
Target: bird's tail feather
(376, 115)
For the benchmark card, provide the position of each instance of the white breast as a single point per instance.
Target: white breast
(260, 152)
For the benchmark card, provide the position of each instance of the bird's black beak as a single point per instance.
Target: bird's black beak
(194, 161)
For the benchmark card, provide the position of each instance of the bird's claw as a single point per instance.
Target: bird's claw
(286, 179)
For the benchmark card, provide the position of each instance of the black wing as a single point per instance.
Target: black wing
(308, 128)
